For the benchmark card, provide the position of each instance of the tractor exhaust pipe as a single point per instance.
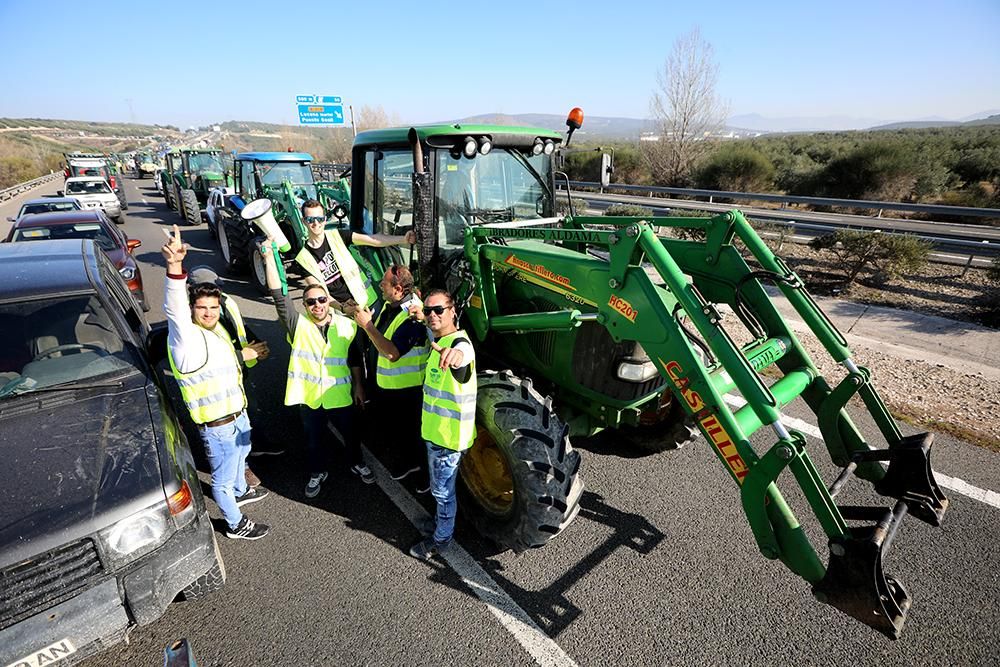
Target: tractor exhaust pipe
(423, 216)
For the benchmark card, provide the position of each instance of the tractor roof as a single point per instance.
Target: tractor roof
(275, 157)
(499, 133)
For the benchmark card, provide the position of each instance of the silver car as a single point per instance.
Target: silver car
(94, 192)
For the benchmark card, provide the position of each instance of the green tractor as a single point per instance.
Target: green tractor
(190, 174)
(286, 179)
(588, 323)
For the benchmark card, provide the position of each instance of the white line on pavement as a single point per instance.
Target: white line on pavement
(955, 484)
(527, 633)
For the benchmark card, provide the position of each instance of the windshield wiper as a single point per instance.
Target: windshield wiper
(22, 386)
(527, 165)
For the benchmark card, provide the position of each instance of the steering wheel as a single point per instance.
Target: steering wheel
(66, 348)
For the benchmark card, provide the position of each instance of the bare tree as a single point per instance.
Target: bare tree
(371, 118)
(685, 108)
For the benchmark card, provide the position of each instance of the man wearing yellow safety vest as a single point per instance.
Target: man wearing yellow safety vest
(208, 370)
(401, 357)
(448, 419)
(327, 259)
(324, 374)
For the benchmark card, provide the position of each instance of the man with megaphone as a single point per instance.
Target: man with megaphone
(328, 261)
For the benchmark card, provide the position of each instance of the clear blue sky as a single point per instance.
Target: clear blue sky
(187, 63)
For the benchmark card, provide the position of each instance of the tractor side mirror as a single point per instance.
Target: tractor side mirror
(607, 168)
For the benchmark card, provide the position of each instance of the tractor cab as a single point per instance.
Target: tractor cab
(261, 174)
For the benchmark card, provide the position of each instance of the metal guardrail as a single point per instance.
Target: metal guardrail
(934, 209)
(15, 190)
(328, 171)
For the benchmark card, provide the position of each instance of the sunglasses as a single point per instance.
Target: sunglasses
(313, 300)
(312, 219)
(437, 310)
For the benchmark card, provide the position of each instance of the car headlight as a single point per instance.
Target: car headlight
(128, 272)
(136, 535)
(635, 371)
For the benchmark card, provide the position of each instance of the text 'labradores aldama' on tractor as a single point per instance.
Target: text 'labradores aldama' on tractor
(590, 323)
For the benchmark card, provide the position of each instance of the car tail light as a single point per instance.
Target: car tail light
(113, 185)
(181, 500)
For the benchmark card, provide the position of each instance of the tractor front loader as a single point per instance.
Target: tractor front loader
(703, 365)
(589, 323)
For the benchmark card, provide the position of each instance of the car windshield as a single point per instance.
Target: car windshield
(201, 162)
(61, 341)
(501, 186)
(81, 230)
(87, 187)
(48, 207)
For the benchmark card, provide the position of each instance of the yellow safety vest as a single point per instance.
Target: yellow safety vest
(358, 283)
(318, 375)
(216, 389)
(449, 413)
(241, 330)
(408, 370)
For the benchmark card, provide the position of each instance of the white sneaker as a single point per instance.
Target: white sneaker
(363, 471)
(313, 487)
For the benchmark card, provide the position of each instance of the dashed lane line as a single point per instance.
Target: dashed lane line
(525, 631)
(956, 484)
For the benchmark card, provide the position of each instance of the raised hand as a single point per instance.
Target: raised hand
(174, 250)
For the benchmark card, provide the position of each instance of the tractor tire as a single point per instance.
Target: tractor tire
(234, 238)
(258, 277)
(190, 210)
(672, 433)
(519, 482)
(168, 195)
(209, 582)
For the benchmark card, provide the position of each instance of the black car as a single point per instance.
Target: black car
(102, 519)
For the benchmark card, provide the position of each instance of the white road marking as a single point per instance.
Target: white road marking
(144, 201)
(517, 622)
(955, 484)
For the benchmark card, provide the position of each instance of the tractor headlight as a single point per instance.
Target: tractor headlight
(538, 146)
(469, 147)
(128, 272)
(485, 145)
(549, 147)
(636, 371)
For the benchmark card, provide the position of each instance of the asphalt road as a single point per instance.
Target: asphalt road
(659, 568)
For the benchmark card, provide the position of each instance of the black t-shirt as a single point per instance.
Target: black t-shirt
(328, 266)
(407, 335)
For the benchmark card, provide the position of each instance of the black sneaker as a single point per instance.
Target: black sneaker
(252, 495)
(403, 474)
(424, 550)
(247, 530)
(364, 472)
(314, 485)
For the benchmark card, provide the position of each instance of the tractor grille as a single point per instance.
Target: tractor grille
(597, 357)
(46, 580)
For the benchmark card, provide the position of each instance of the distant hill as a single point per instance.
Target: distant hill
(924, 124)
(610, 127)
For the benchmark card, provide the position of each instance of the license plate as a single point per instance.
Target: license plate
(46, 656)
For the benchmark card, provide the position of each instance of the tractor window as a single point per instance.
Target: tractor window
(247, 186)
(299, 174)
(498, 187)
(395, 191)
(201, 162)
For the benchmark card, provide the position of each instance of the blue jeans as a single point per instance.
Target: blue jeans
(226, 448)
(443, 466)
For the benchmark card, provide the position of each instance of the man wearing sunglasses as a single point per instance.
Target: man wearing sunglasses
(400, 347)
(328, 261)
(324, 374)
(448, 418)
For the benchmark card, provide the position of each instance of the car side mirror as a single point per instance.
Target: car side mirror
(61, 193)
(10, 218)
(133, 244)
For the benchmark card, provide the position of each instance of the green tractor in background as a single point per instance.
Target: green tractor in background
(286, 179)
(589, 323)
(190, 174)
(145, 164)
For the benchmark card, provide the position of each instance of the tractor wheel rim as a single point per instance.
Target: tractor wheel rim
(224, 244)
(258, 269)
(487, 475)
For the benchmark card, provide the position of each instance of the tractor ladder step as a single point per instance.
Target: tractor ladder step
(855, 582)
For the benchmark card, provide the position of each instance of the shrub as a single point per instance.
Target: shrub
(629, 211)
(885, 255)
(736, 167)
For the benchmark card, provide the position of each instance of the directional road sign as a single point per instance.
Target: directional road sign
(320, 109)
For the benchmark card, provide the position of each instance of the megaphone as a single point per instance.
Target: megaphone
(259, 213)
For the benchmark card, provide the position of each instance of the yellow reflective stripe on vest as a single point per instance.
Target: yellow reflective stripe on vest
(449, 411)
(216, 389)
(408, 370)
(318, 374)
